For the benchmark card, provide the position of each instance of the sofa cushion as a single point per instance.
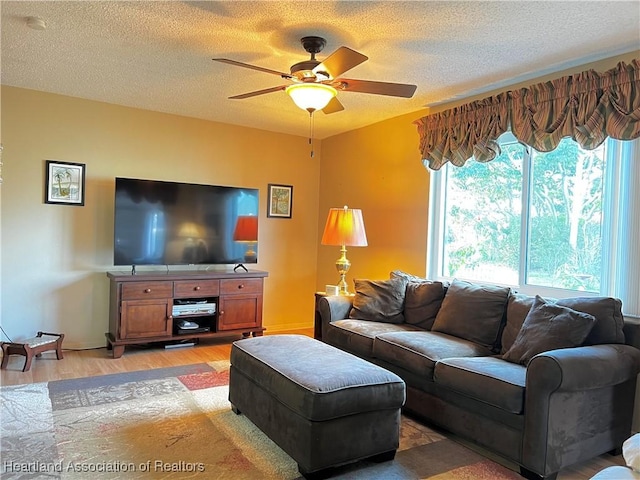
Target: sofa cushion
(418, 352)
(607, 310)
(518, 307)
(357, 336)
(422, 303)
(548, 326)
(407, 276)
(423, 299)
(473, 312)
(487, 379)
(415, 279)
(609, 320)
(379, 300)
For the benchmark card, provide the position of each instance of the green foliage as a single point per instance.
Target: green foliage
(483, 216)
(482, 226)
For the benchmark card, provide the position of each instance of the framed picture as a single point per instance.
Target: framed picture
(280, 201)
(64, 183)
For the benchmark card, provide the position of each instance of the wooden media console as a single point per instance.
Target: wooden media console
(151, 306)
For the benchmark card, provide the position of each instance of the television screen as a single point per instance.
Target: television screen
(169, 223)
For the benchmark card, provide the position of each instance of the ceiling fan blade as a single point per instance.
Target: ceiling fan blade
(252, 67)
(258, 92)
(333, 106)
(340, 61)
(377, 88)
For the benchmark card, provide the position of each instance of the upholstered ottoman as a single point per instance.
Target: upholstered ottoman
(322, 406)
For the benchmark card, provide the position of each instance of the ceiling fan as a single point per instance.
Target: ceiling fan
(315, 83)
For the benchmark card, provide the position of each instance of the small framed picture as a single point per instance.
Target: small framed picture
(64, 183)
(280, 201)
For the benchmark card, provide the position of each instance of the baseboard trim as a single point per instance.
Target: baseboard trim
(288, 326)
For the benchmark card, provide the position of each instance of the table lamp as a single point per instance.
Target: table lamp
(344, 227)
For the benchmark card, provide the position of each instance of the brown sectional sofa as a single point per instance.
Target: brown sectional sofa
(542, 383)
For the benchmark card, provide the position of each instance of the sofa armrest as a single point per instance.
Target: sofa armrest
(332, 308)
(578, 404)
(583, 368)
(335, 307)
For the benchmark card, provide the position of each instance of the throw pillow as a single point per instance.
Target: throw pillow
(422, 303)
(473, 312)
(423, 299)
(518, 307)
(407, 276)
(379, 300)
(548, 326)
(609, 320)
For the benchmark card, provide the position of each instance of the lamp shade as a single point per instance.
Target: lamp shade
(344, 227)
(311, 96)
(246, 229)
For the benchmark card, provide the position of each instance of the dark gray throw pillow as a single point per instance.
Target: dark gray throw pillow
(549, 326)
(518, 307)
(407, 276)
(379, 300)
(422, 303)
(423, 299)
(473, 312)
(609, 320)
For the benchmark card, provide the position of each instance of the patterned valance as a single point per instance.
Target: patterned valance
(588, 107)
(469, 130)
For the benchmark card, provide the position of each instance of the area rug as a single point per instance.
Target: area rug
(175, 423)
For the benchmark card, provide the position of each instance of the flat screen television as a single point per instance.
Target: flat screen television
(170, 223)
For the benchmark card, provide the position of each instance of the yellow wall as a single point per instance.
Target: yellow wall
(377, 169)
(54, 257)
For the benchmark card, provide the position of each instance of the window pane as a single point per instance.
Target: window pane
(565, 218)
(482, 218)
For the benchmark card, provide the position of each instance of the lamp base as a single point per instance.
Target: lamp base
(250, 255)
(342, 265)
(343, 288)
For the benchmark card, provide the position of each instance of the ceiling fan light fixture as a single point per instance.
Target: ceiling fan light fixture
(311, 96)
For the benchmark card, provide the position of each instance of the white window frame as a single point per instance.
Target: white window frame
(621, 228)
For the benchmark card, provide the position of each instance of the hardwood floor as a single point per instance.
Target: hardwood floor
(85, 363)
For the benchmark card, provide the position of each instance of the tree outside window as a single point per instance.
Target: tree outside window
(526, 217)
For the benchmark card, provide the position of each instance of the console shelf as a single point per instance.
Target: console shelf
(142, 306)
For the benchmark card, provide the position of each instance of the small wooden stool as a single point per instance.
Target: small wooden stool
(42, 342)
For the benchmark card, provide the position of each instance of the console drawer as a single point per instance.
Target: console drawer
(144, 290)
(241, 286)
(196, 288)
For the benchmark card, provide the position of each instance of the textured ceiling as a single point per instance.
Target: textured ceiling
(157, 55)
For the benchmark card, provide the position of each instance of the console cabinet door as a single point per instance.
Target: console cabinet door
(146, 318)
(240, 311)
(240, 304)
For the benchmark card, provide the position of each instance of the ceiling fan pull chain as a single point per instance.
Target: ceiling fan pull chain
(311, 131)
